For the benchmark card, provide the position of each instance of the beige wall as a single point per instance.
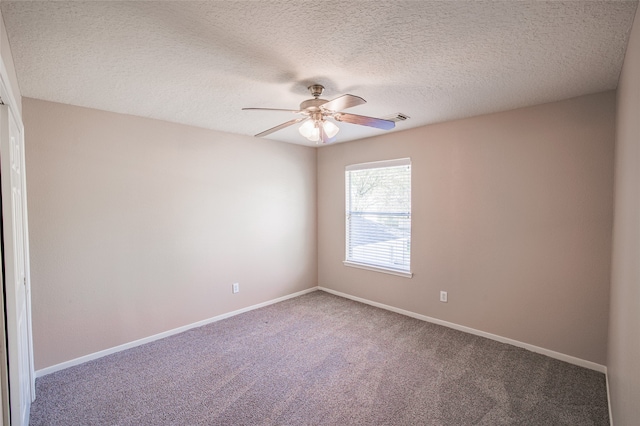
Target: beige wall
(624, 324)
(512, 215)
(140, 226)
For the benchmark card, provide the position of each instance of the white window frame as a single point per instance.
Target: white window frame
(355, 264)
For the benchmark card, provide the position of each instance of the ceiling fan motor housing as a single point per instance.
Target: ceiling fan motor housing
(312, 104)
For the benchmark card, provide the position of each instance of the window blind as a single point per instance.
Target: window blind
(378, 214)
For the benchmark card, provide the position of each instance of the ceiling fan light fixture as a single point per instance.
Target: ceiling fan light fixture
(330, 129)
(315, 135)
(310, 130)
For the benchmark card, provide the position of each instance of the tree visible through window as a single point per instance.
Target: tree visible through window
(378, 215)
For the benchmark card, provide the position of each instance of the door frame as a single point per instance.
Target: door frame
(8, 99)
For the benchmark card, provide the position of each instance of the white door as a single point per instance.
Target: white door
(16, 282)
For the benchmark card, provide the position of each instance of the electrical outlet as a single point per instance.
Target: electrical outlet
(443, 296)
(235, 288)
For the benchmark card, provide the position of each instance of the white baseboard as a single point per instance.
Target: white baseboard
(557, 355)
(100, 354)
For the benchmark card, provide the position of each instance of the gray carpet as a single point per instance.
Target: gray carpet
(322, 360)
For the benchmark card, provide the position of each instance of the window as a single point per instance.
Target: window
(378, 216)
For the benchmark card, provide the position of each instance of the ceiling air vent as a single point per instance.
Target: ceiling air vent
(398, 116)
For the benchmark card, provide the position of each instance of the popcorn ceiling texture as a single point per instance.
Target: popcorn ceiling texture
(199, 63)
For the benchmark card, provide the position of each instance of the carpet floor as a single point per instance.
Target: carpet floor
(319, 359)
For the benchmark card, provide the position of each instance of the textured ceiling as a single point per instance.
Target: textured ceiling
(199, 63)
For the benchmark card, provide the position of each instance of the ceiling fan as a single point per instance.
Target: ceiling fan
(316, 112)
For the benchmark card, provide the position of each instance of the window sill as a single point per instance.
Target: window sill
(378, 269)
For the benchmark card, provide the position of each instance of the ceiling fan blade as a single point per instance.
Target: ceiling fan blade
(270, 109)
(365, 121)
(281, 126)
(343, 102)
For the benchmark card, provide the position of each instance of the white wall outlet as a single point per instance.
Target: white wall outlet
(443, 296)
(235, 288)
